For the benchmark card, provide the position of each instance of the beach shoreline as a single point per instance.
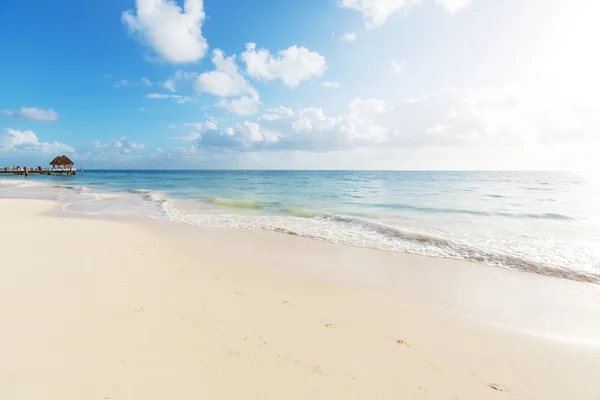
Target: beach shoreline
(532, 222)
(129, 307)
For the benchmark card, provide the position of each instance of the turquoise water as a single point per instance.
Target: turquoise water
(545, 222)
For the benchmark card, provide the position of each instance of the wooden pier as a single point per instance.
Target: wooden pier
(25, 171)
(61, 165)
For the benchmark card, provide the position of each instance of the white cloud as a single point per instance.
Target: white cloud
(27, 141)
(292, 65)
(175, 34)
(453, 6)
(121, 83)
(331, 84)
(227, 82)
(33, 113)
(349, 37)
(169, 84)
(275, 114)
(377, 12)
(124, 145)
(244, 106)
(115, 151)
(312, 119)
(142, 82)
(397, 67)
(450, 118)
(142, 109)
(209, 125)
(174, 97)
(179, 76)
(190, 137)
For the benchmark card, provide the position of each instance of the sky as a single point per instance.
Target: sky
(311, 84)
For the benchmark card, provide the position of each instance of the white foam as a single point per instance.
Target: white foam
(345, 230)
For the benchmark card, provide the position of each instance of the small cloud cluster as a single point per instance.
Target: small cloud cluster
(208, 125)
(16, 141)
(377, 12)
(173, 97)
(292, 65)
(349, 37)
(226, 81)
(331, 84)
(179, 76)
(450, 117)
(142, 82)
(33, 114)
(120, 150)
(453, 6)
(175, 34)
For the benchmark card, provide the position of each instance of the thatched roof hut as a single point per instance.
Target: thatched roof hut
(62, 161)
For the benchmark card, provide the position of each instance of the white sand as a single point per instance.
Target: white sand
(138, 309)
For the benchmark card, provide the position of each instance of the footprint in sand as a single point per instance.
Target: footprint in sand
(331, 326)
(239, 293)
(287, 303)
(317, 370)
(233, 353)
(138, 310)
(495, 386)
(498, 387)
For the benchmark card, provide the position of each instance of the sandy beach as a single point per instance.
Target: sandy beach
(139, 309)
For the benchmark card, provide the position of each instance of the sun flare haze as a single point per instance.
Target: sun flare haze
(352, 84)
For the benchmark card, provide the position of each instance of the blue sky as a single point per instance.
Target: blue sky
(368, 84)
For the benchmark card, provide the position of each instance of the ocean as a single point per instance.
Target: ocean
(542, 222)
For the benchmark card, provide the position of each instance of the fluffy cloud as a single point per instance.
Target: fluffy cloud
(209, 125)
(179, 76)
(34, 114)
(348, 37)
(239, 96)
(376, 12)
(453, 6)
(27, 141)
(189, 137)
(292, 65)
(174, 97)
(449, 118)
(244, 106)
(397, 67)
(225, 80)
(120, 150)
(175, 34)
(275, 114)
(331, 84)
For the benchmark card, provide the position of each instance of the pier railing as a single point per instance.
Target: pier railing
(37, 171)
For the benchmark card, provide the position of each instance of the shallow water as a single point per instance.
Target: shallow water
(545, 222)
